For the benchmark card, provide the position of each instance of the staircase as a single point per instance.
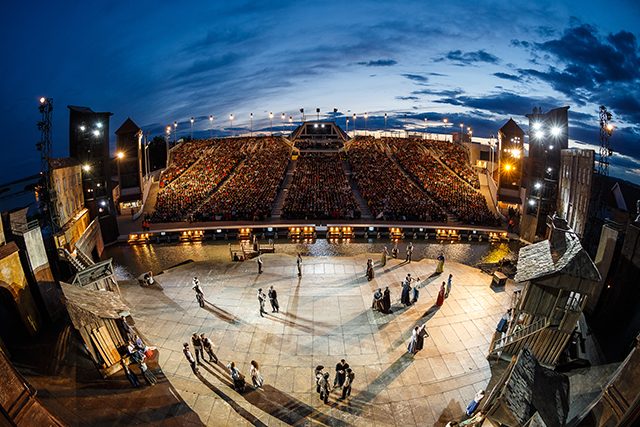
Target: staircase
(512, 343)
(75, 263)
(276, 211)
(365, 213)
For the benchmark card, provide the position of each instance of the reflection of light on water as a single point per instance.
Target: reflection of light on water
(157, 257)
(496, 253)
(122, 272)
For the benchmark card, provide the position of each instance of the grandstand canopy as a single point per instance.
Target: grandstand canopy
(319, 130)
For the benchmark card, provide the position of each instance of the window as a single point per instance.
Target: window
(574, 302)
(64, 183)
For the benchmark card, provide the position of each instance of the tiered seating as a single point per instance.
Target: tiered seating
(314, 145)
(445, 188)
(457, 159)
(180, 197)
(249, 194)
(320, 190)
(182, 158)
(388, 192)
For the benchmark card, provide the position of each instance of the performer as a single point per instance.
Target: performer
(440, 267)
(440, 299)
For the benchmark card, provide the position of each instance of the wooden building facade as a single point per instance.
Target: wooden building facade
(559, 276)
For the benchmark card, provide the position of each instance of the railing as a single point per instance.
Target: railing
(21, 227)
(518, 335)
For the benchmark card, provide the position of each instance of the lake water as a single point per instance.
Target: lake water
(131, 261)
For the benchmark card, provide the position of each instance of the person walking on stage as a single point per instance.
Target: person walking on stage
(238, 378)
(273, 299)
(413, 344)
(448, 290)
(256, 378)
(133, 378)
(409, 252)
(440, 267)
(259, 260)
(440, 299)
(299, 264)
(383, 257)
(325, 387)
(207, 344)
(422, 332)
(341, 372)
(261, 298)
(189, 356)
(197, 347)
(416, 291)
(386, 300)
(346, 390)
(377, 300)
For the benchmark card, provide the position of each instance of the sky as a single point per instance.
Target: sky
(160, 62)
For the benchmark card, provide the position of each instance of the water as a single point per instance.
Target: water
(132, 261)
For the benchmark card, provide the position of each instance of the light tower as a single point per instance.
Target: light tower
(44, 146)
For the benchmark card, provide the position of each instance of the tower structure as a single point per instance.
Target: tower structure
(548, 136)
(44, 146)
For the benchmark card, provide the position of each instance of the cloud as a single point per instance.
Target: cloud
(508, 77)
(469, 58)
(407, 98)
(590, 68)
(506, 103)
(416, 78)
(379, 63)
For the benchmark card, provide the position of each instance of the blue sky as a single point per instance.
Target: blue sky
(158, 62)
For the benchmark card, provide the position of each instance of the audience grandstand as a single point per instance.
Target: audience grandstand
(177, 199)
(182, 157)
(320, 190)
(457, 159)
(389, 194)
(250, 192)
(447, 189)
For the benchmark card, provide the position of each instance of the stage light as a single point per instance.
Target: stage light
(609, 127)
(82, 128)
(537, 126)
(43, 100)
(538, 185)
(86, 167)
(539, 134)
(120, 155)
(96, 132)
(555, 131)
(99, 125)
(507, 167)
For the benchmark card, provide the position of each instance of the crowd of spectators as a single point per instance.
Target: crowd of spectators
(389, 194)
(457, 159)
(305, 144)
(182, 157)
(250, 193)
(180, 197)
(320, 190)
(446, 189)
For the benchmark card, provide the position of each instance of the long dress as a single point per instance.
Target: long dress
(377, 301)
(147, 374)
(383, 258)
(405, 298)
(440, 299)
(440, 267)
(448, 291)
(413, 344)
(370, 271)
(386, 301)
(256, 378)
(422, 331)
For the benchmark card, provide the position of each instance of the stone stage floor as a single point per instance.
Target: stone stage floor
(324, 316)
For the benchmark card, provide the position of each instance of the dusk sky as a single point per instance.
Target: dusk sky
(160, 62)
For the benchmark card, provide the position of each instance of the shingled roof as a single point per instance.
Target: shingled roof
(562, 253)
(86, 305)
(532, 388)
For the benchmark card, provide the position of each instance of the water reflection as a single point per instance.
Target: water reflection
(131, 261)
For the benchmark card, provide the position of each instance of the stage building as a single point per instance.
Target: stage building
(575, 187)
(510, 166)
(130, 166)
(89, 144)
(548, 136)
(318, 135)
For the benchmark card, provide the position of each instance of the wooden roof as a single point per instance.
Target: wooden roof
(562, 253)
(102, 304)
(128, 127)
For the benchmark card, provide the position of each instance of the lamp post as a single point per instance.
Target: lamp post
(271, 117)
(211, 120)
(347, 125)
(365, 123)
(425, 127)
(405, 125)
(251, 129)
(231, 120)
(167, 139)
(470, 133)
(445, 128)
(354, 125)
(175, 133)
(282, 124)
(290, 124)
(385, 124)
(461, 131)
(191, 127)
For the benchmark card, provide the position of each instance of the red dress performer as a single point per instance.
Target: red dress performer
(440, 299)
